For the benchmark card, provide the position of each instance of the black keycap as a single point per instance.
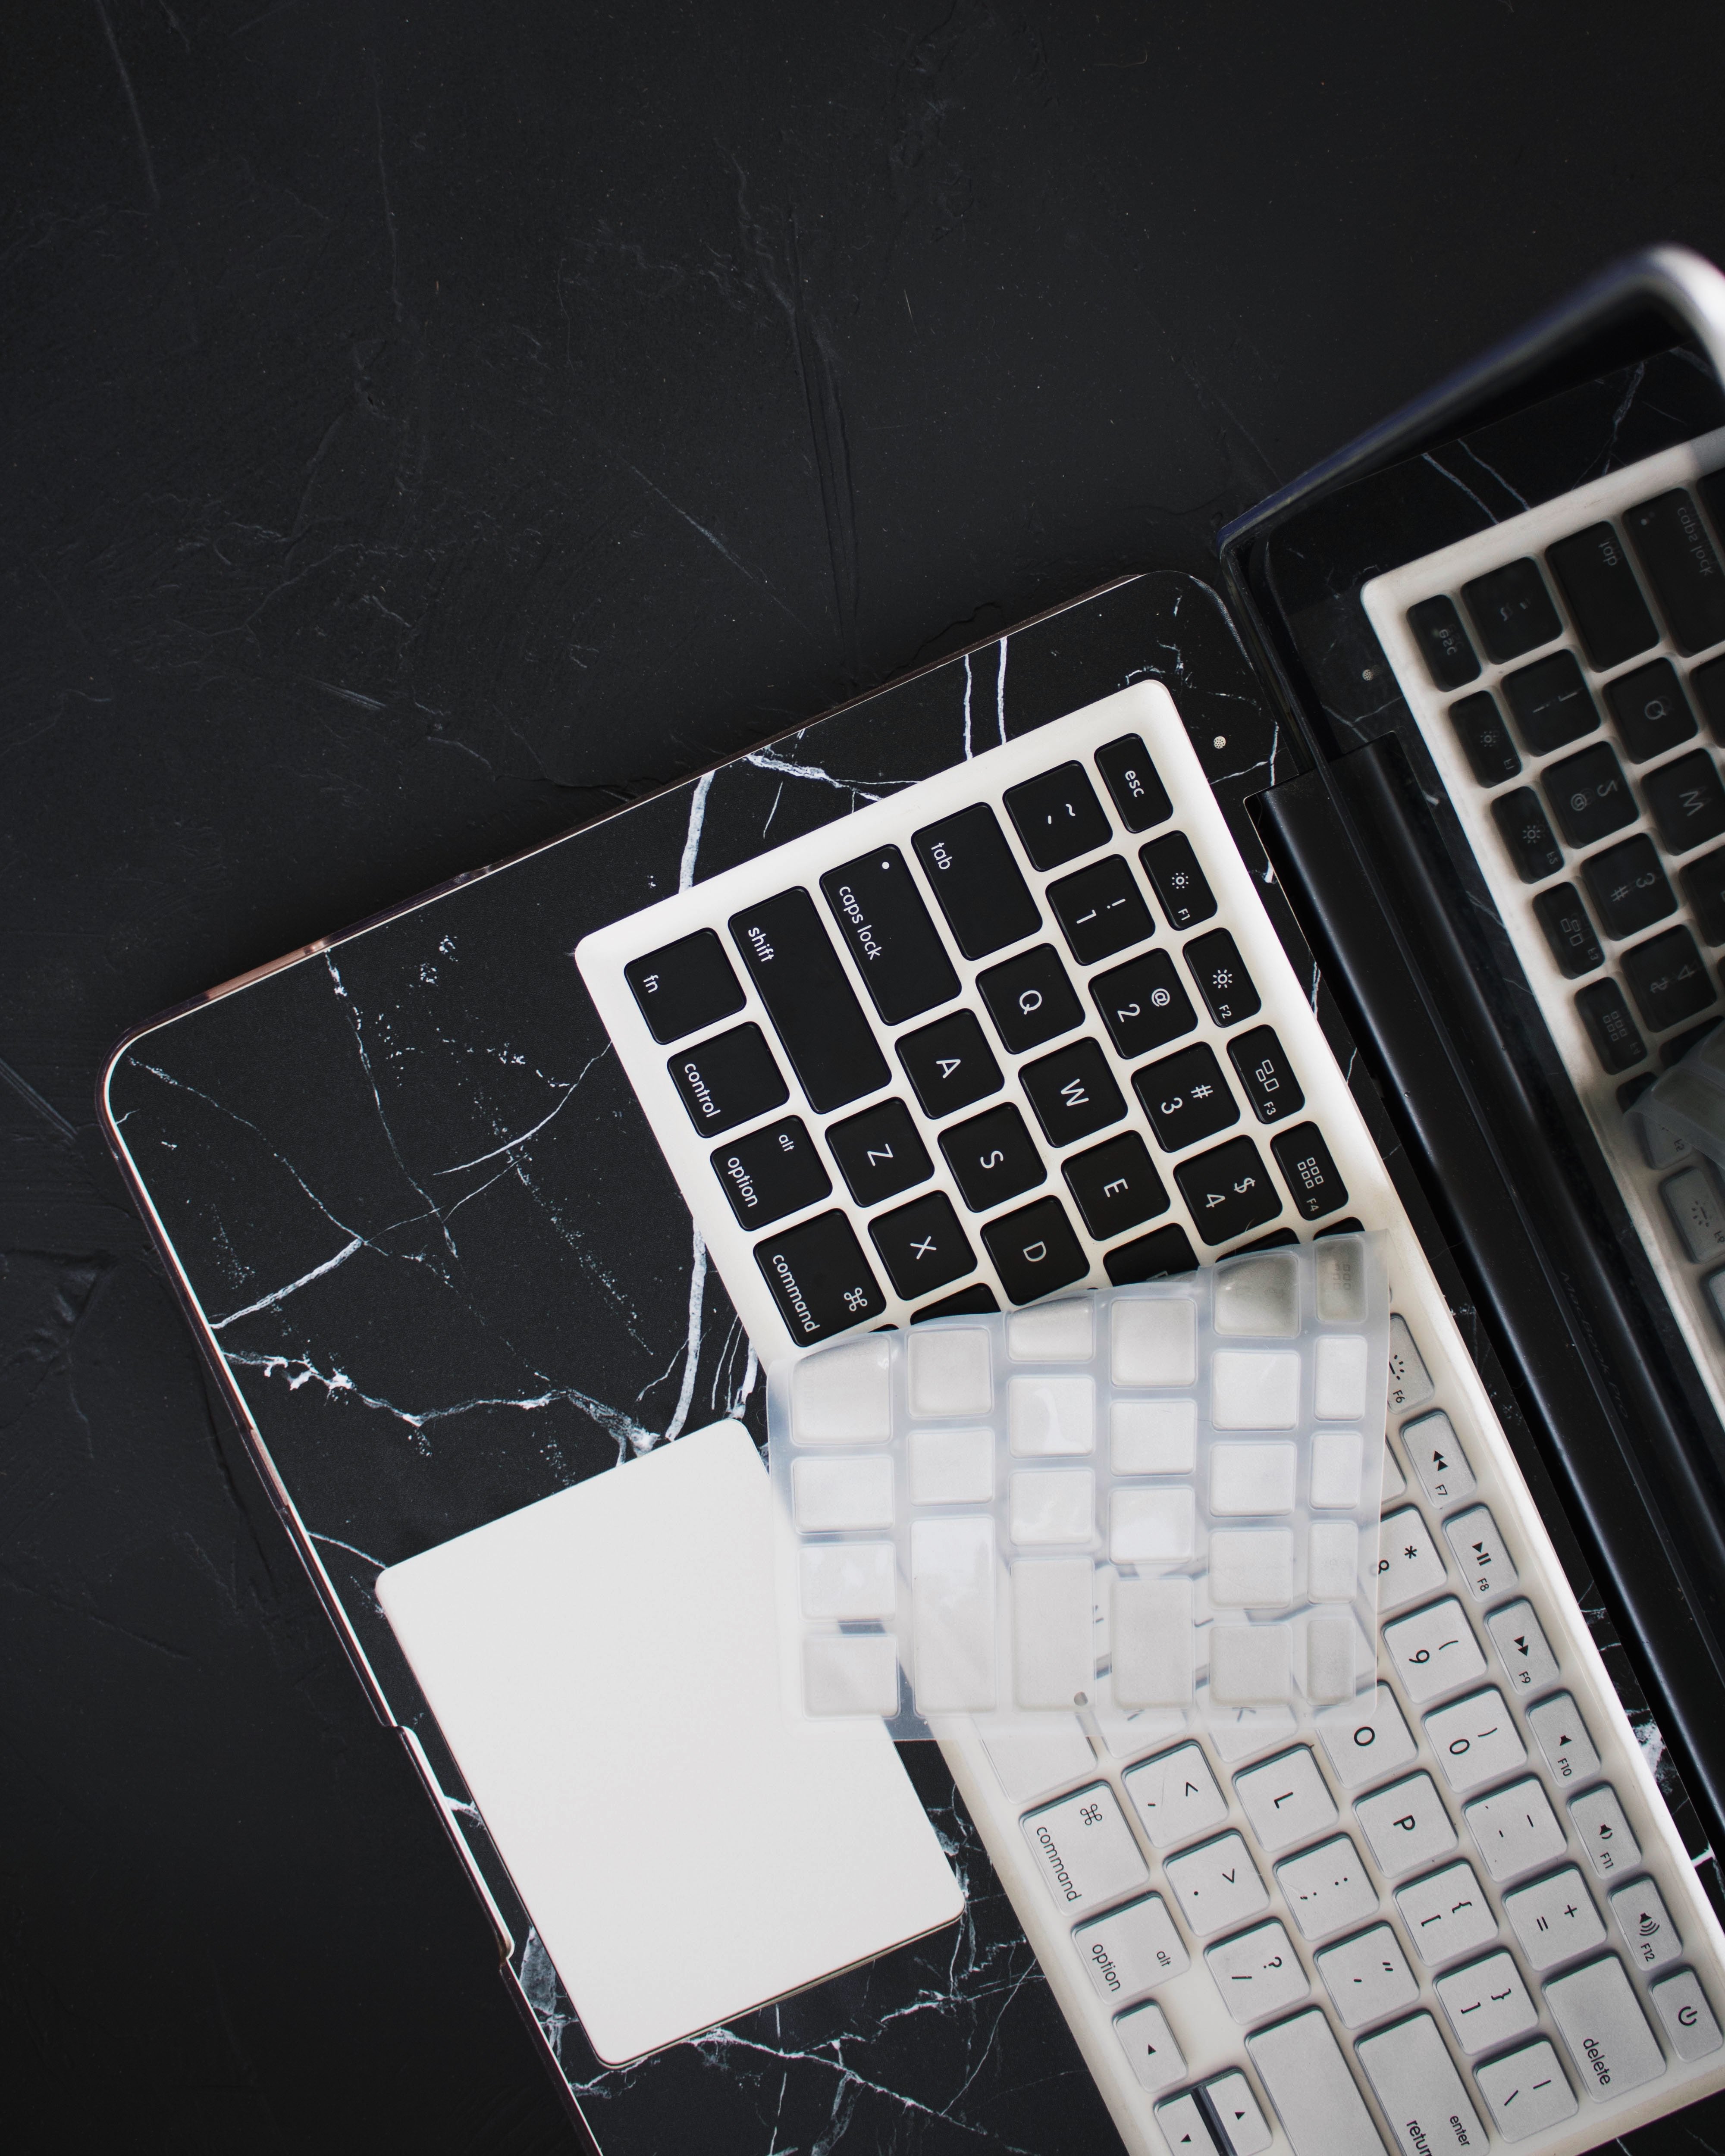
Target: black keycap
(1186, 1097)
(885, 925)
(1520, 819)
(1101, 910)
(1152, 1257)
(1115, 1186)
(977, 1302)
(1685, 801)
(1703, 883)
(1706, 685)
(685, 986)
(1512, 609)
(950, 1064)
(1668, 978)
(799, 976)
(922, 1245)
(1223, 981)
(1672, 546)
(1178, 881)
(971, 870)
(1030, 998)
(1142, 1005)
(1550, 703)
(880, 1153)
(1266, 1074)
(1628, 888)
(1073, 1092)
(728, 1079)
(1594, 574)
(1590, 795)
(1140, 799)
(1443, 643)
(993, 1157)
(1229, 1191)
(819, 1278)
(1679, 1044)
(771, 1172)
(1568, 931)
(1610, 1027)
(1057, 816)
(1651, 710)
(1485, 738)
(1035, 1252)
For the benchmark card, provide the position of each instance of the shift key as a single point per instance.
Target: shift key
(797, 975)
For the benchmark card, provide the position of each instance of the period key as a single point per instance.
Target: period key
(884, 924)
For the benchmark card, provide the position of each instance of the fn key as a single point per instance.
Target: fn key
(819, 1278)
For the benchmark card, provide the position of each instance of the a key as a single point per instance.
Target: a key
(1228, 1192)
(1365, 1738)
(1685, 801)
(971, 870)
(1628, 887)
(1644, 1924)
(1446, 1914)
(1550, 702)
(1034, 1250)
(1527, 2092)
(1561, 1736)
(1409, 1564)
(922, 1245)
(1175, 1795)
(728, 1079)
(819, 1278)
(1522, 1648)
(1605, 1014)
(1703, 885)
(993, 1157)
(1115, 1186)
(1604, 2026)
(1434, 1650)
(1668, 978)
(1327, 1888)
(1419, 2087)
(1611, 617)
(1534, 854)
(1410, 1384)
(1140, 799)
(1512, 609)
(1149, 2044)
(1285, 1799)
(1443, 643)
(1481, 1557)
(1487, 2003)
(772, 1173)
(1186, 1097)
(1516, 1829)
(1216, 1884)
(1131, 1950)
(1101, 910)
(1672, 546)
(1368, 1976)
(1322, 2111)
(1083, 1848)
(1143, 1004)
(1607, 1840)
(1030, 998)
(880, 1153)
(949, 1064)
(1155, 1256)
(1244, 2125)
(1057, 816)
(1692, 1198)
(1266, 1074)
(1475, 1741)
(1590, 795)
(1178, 882)
(1073, 1092)
(1258, 1972)
(1554, 1919)
(1569, 933)
(685, 986)
(1682, 2006)
(1437, 1458)
(885, 925)
(1485, 738)
(1215, 962)
(1313, 1184)
(814, 1011)
(1651, 712)
(1406, 1825)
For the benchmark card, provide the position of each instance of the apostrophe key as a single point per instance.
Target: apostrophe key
(813, 1008)
(971, 872)
(884, 924)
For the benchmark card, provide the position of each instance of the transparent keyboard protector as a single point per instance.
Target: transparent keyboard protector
(1153, 1502)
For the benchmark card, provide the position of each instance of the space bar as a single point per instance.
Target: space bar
(1322, 2111)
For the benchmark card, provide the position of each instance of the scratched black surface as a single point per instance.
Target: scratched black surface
(424, 430)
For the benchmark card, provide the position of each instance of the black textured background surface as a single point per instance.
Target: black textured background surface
(425, 426)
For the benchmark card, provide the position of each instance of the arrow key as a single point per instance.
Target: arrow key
(1237, 2107)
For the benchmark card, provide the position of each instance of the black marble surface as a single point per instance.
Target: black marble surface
(426, 429)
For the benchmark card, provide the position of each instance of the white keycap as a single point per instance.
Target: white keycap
(1326, 1888)
(1366, 1738)
(1446, 1914)
(1527, 2092)
(1216, 1884)
(1175, 1795)
(1028, 1761)
(849, 1580)
(1154, 1644)
(1331, 1561)
(1184, 2127)
(1603, 1833)
(1258, 1295)
(1409, 1564)
(1368, 1976)
(1337, 1469)
(1689, 2022)
(1254, 1388)
(1338, 1377)
(1053, 1505)
(952, 1566)
(952, 1466)
(1561, 1736)
(1150, 2046)
(951, 1372)
(1554, 1919)
(1604, 2028)
(1053, 1332)
(1645, 1924)
(1419, 2089)
(1050, 1415)
(1251, 1568)
(1258, 1972)
(1152, 1526)
(1436, 1456)
(843, 1395)
(1285, 1799)
(1084, 1849)
(1322, 2111)
(1487, 2003)
(1395, 1483)
(1434, 1650)
(1522, 1647)
(855, 1673)
(1253, 1478)
(1131, 1949)
(1339, 1270)
(1692, 1198)
(1242, 1733)
(1516, 1829)
(1410, 1384)
(1479, 1555)
(1475, 1740)
(1336, 1654)
(829, 1494)
(1152, 1437)
(1154, 1343)
(1243, 2120)
(1251, 1665)
(1406, 1825)
(1054, 1661)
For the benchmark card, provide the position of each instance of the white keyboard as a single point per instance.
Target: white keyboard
(1458, 1914)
